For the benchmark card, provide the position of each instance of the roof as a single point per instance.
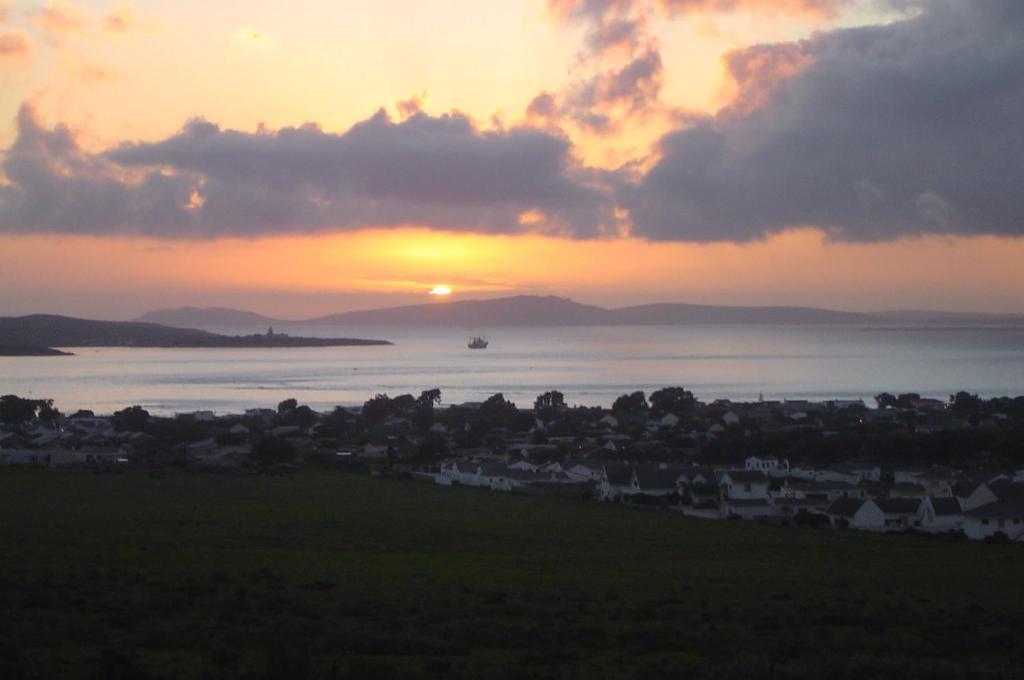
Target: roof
(655, 478)
(898, 506)
(945, 506)
(845, 507)
(965, 488)
(744, 476)
(999, 509)
(620, 475)
(1008, 491)
(800, 502)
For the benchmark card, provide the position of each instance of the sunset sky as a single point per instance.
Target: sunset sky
(317, 156)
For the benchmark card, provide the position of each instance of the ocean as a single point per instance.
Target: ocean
(590, 365)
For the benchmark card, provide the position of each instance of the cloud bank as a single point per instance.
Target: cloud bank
(872, 133)
(869, 133)
(206, 181)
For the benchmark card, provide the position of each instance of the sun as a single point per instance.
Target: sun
(441, 290)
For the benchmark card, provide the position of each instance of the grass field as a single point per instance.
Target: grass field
(334, 575)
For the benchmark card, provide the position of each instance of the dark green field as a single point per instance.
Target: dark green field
(333, 575)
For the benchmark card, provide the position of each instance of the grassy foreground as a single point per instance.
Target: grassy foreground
(334, 575)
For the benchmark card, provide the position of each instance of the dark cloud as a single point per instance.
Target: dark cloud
(205, 181)
(872, 133)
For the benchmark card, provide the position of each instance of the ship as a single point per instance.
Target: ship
(477, 343)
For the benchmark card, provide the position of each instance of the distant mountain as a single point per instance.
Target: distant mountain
(43, 330)
(535, 310)
(521, 310)
(31, 351)
(676, 314)
(939, 318)
(202, 317)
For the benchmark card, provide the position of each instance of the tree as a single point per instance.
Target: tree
(287, 406)
(549, 401)
(885, 400)
(14, 410)
(965, 403)
(131, 419)
(48, 413)
(631, 404)
(377, 409)
(429, 397)
(270, 450)
(673, 400)
(496, 411)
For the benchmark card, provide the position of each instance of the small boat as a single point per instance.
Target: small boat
(477, 343)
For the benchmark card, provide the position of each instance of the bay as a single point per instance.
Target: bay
(591, 365)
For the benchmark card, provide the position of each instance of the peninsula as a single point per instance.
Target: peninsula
(37, 333)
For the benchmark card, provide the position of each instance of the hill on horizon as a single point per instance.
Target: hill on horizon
(51, 330)
(553, 310)
(550, 310)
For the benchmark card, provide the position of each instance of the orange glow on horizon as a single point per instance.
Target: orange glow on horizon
(796, 267)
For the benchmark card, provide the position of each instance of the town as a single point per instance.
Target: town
(949, 467)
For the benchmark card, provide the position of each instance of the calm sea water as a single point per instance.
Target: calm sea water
(590, 365)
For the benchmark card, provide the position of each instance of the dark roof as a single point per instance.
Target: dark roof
(1006, 490)
(745, 502)
(965, 488)
(654, 478)
(620, 475)
(845, 507)
(946, 506)
(999, 509)
(744, 476)
(898, 506)
(800, 502)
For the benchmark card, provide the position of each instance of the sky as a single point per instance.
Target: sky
(318, 156)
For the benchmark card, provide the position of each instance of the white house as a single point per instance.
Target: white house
(936, 515)
(654, 481)
(747, 508)
(769, 466)
(856, 513)
(616, 482)
(973, 494)
(1006, 517)
(743, 484)
(900, 513)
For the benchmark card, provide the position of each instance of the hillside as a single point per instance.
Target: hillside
(43, 330)
(331, 575)
(677, 314)
(521, 310)
(535, 310)
(201, 317)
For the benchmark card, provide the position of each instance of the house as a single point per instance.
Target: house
(769, 466)
(855, 513)
(743, 484)
(616, 482)
(788, 507)
(900, 513)
(747, 508)
(669, 420)
(936, 515)
(730, 419)
(825, 491)
(654, 481)
(907, 490)
(1005, 517)
(973, 494)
